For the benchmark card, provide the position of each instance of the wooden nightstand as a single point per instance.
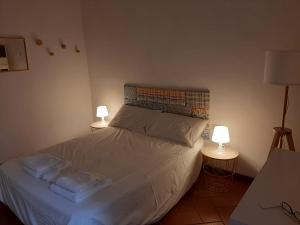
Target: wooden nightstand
(219, 168)
(98, 125)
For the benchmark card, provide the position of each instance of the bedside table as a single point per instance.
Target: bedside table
(98, 125)
(219, 168)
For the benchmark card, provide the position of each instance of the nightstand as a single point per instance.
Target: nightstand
(219, 168)
(98, 125)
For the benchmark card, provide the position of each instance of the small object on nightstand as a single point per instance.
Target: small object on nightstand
(219, 168)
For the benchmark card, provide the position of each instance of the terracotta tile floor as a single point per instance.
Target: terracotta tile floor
(201, 206)
(198, 206)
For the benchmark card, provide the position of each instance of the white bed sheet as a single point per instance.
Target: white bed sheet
(149, 176)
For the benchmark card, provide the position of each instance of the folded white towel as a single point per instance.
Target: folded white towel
(80, 196)
(32, 172)
(55, 171)
(77, 181)
(40, 163)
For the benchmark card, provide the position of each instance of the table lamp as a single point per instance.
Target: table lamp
(102, 112)
(282, 68)
(221, 136)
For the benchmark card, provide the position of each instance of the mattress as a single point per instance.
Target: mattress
(149, 175)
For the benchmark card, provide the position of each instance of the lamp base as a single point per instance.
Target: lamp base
(99, 124)
(280, 133)
(221, 149)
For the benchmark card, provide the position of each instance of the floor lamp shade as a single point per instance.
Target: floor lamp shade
(282, 67)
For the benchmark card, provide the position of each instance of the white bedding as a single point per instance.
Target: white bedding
(149, 176)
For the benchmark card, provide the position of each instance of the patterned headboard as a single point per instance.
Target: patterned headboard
(187, 102)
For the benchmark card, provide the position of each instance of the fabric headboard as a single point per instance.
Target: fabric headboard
(187, 102)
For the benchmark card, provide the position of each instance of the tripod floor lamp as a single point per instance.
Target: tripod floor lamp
(282, 68)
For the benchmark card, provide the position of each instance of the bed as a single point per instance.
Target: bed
(155, 175)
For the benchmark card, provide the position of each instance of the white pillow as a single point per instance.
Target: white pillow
(181, 129)
(134, 118)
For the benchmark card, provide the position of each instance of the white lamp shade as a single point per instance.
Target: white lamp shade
(282, 67)
(102, 111)
(221, 134)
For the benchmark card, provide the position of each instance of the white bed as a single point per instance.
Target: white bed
(154, 176)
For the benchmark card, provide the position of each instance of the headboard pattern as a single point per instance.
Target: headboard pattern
(187, 102)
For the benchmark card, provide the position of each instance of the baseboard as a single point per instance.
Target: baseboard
(243, 177)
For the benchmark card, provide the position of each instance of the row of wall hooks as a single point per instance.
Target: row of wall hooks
(39, 42)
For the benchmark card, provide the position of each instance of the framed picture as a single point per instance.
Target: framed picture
(13, 54)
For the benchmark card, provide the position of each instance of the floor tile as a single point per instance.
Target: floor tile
(184, 205)
(225, 213)
(216, 223)
(181, 218)
(206, 209)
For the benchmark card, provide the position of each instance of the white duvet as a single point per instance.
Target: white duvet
(149, 175)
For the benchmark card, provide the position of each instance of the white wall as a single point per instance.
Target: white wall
(52, 101)
(215, 44)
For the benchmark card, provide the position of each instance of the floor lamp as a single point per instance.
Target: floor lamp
(282, 68)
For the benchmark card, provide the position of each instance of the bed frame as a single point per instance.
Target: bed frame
(187, 102)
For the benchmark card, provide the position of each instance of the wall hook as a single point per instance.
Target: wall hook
(50, 52)
(77, 49)
(38, 42)
(62, 44)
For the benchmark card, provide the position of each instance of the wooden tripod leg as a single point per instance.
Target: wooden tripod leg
(275, 141)
(290, 141)
(281, 141)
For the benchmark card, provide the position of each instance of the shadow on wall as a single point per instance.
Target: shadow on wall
(251, 170)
